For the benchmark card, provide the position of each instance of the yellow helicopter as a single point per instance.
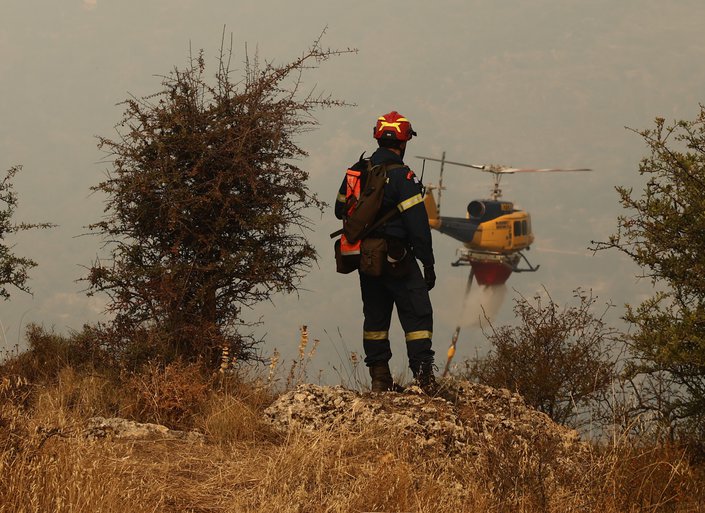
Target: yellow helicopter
(493, 232)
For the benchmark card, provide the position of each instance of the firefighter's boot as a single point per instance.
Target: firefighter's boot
(426, 379)
(381, 378)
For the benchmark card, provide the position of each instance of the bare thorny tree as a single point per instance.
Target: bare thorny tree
(206, 205)
(14, 269)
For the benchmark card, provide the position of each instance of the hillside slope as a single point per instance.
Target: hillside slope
(312, 449)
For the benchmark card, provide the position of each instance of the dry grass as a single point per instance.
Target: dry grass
(245, 467)
(336, 472)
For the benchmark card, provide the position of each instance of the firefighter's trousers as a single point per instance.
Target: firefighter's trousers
(410, 295)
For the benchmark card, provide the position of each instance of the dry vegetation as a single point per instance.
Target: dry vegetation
(243, 466)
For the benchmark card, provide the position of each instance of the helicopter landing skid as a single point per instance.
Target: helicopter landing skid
(512, 260)
(530, 269)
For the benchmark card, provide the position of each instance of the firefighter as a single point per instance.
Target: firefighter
(408, 239)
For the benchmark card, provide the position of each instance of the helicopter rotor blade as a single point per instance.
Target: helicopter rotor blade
(474, 166)
(511, 170)
(504, 170)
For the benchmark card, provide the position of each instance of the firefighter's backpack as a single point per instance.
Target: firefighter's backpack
(362, 212)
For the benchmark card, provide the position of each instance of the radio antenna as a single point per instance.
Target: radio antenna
(440, 182)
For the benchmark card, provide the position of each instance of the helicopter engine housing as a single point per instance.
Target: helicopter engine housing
(485, 210)
(476, 209)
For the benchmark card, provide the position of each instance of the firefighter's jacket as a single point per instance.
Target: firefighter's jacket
(403, 191)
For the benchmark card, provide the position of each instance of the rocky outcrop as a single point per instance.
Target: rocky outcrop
(466, 417)
(99, 427)
(312, 407)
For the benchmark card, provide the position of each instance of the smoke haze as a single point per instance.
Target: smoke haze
(556, 89)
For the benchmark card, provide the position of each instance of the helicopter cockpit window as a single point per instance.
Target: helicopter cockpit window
(517, 228)
(524, 228)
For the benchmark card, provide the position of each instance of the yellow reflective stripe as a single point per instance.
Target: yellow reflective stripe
(341, 198)
(375, 335)
(408, 203)
(418, 335)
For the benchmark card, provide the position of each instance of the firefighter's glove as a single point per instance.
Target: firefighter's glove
(429, 276)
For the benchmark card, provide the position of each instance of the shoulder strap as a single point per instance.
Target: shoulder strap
(385, 218)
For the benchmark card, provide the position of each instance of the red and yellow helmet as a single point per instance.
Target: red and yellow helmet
(393, 126)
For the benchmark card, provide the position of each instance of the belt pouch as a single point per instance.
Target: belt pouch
(373, 255)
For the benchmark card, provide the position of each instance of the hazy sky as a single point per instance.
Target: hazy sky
(525, 83)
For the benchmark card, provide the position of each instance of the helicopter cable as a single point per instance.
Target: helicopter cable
(454, 340)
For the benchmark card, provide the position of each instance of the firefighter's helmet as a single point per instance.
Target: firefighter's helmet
(393, 126)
